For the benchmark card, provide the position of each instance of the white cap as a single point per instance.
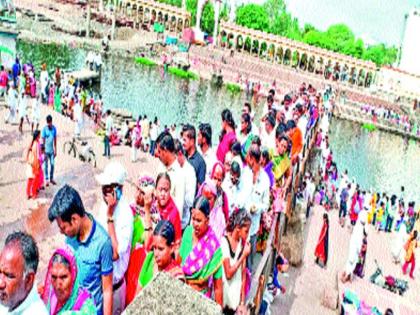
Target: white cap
(114, 173)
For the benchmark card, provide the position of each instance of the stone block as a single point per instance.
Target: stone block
(165, 295)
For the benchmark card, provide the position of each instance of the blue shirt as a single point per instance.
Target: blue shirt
(49, 135)
(94, 260)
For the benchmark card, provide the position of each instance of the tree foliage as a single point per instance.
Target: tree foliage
(253, 16)
(273, 17)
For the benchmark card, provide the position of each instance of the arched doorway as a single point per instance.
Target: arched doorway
(200, 8)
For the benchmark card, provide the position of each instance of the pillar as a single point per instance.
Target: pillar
(216, 21)
(88, 18)
(184, 4)
(200, 6)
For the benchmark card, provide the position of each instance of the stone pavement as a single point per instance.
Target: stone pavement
(306, 285)
(19, 213)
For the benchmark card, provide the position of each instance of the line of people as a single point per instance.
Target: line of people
(203, 218)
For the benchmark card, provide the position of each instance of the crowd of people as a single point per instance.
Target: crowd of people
(202, 218)
(391, 117)
(359, 208)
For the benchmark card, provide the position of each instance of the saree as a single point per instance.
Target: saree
(57, 100)
(149, 266)
(80, 301)
(203, 262)
(281, 164)
(224, 145)
(321, 250)
(137, 256)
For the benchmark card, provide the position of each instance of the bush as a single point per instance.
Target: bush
(369, 127)
(183, 74)
(145, 61)
(233, 88)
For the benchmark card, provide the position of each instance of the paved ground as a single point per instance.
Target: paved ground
(19, 213)
(306, 285)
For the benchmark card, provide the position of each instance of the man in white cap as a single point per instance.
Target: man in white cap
(116, 217)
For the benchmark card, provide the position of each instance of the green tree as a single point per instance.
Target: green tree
(207, 18)
(192, 8)
(252, 16)
(340, 35)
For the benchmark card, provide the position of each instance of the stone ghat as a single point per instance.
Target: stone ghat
(165, 295)
(348, 113)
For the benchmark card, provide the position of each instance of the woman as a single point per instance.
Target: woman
(33, 166)
(410, 248)
(51, 95)
(57, 99)
(245, 134)
(227, 137)
(321, 250)
(135, 141)
(62, 293)
(359, 270)
(235, 249)
(162, 257)
(281, 170)
(162, 207)
(356, 243)
(217, 218)
(201, 254)
(218, 175)
(145, 187)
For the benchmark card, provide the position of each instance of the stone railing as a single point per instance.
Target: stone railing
(265, 267)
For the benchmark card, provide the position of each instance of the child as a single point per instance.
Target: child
(380, 216)
(40, 177)
(282, 265)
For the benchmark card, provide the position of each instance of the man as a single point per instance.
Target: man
(145, 133)
(18, 265)
(12, 99)
(91, 244)
(116, 217)
(232, 186)
(295, 135)
(257, 192)
(195, 158)
(165, 151)
(109, 124)
(78, 119)
(190, 183)
(49, 137)
(344, 197)
(204, 142)
(268, 134)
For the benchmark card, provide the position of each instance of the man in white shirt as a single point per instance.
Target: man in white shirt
(233, 187)
(18, 265)
(78, 118)
(190, 183)
(204, 142)
(109, 124)
(165, 151)
(257, 189)
(116, 217)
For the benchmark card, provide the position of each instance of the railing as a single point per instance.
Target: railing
(265, 267)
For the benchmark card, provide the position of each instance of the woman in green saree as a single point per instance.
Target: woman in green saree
(57, 99)
(62, 293)
(281, 170)
(201, 254)
(162, 257)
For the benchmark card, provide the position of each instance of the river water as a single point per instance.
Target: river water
(377, 160)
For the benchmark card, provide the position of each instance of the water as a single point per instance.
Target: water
(379, 160)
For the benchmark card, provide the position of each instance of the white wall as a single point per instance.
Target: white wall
(410, 60)
(9, 42)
